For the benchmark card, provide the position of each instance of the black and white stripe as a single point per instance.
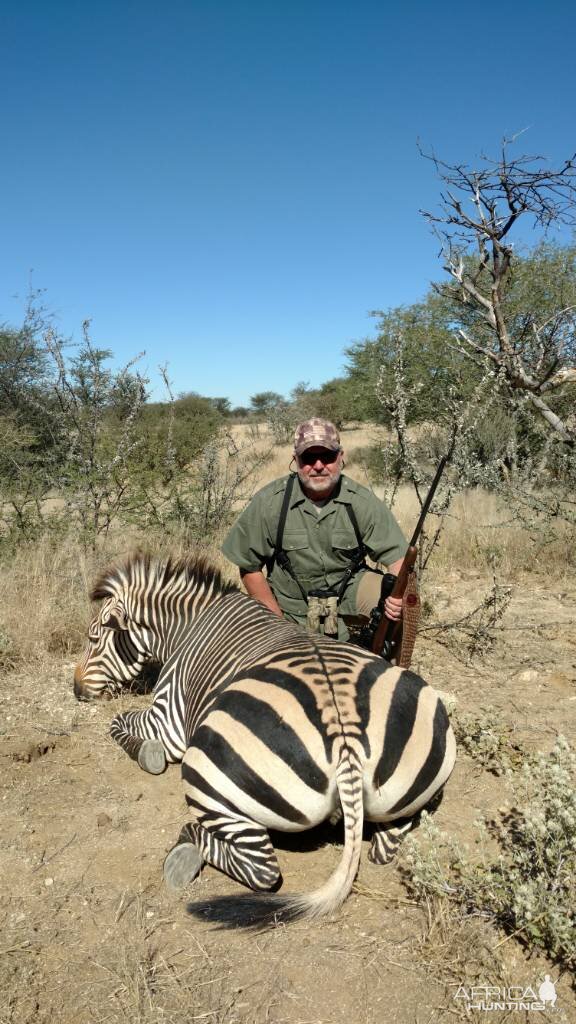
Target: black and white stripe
(277, 728)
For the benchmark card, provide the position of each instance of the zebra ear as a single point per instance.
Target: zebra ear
(115, 617)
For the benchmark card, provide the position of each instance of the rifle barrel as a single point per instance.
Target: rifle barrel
(428, 500)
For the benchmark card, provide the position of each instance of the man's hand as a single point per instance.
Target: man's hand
(393, 608)
(393, 605)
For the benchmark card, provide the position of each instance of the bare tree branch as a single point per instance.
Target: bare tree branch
(478, 209)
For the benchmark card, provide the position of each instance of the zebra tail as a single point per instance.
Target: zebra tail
(262, 910)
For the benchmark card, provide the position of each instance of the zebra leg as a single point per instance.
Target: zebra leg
(242, 850)
(136, 733)
(227, 838)
(184, 861)
(387, 839)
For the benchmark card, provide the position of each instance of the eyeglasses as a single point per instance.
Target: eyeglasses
(326, 457)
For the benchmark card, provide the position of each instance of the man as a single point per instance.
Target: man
(311, 534)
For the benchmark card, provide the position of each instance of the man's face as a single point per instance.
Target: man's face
(319, 471)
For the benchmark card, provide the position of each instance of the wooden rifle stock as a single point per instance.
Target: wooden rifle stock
(389, 630)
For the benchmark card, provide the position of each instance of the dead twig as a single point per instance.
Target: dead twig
(53, 856)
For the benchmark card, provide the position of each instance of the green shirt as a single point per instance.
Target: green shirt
(319, 540)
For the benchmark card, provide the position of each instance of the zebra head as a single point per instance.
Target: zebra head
(117, 650)
(120, 637)
(147, 603)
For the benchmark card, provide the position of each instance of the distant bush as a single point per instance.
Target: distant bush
(187, 424)
(375, 463)
(83, 449)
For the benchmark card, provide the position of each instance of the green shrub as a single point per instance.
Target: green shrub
(530, 889)
(487, 739)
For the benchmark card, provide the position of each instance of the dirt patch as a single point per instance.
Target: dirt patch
(90, 934)
(31, 750)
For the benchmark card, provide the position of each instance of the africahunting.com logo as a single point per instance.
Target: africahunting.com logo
(512, 997)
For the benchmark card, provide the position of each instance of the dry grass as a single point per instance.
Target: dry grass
(148, 984)
(479, 535)
(461, 948)
(45, 585)
(45, 606)
(138, 978)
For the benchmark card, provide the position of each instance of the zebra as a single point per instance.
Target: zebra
(276, 728)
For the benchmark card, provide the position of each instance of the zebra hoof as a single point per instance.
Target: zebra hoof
(152, 757)
(182, 865)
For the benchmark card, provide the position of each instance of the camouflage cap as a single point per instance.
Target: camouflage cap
(316, 433)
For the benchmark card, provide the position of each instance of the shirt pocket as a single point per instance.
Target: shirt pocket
(344, 543)
(295, 540)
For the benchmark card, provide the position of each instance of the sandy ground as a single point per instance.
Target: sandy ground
(90, 934)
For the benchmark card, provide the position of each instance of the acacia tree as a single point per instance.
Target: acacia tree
(100, 409)
(535, 359)
(264, 402)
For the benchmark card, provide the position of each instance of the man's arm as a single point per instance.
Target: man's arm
(248, 546)
(258, 587)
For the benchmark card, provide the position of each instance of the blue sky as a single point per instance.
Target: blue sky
(233, 185)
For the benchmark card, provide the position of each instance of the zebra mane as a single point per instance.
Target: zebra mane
(196, 570)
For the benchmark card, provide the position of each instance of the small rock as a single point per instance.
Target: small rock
(103, 820)
(48, 882)
(528, 676)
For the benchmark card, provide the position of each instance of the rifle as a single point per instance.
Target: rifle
(387, 638)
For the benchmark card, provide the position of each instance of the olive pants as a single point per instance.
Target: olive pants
(368, 593)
